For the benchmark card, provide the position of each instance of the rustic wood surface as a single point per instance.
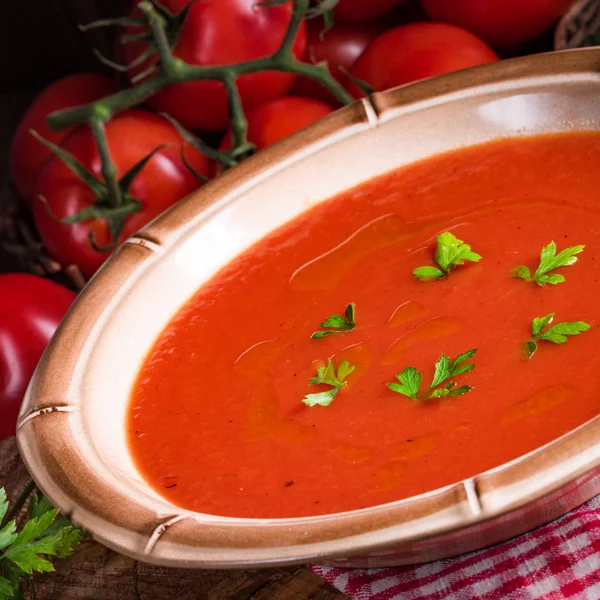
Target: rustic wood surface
(95, 573)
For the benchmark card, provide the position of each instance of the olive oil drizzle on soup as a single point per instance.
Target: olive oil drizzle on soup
(217, 423)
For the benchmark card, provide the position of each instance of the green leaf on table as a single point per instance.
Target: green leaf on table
(27, 551)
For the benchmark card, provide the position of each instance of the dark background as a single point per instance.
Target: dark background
(39, 43)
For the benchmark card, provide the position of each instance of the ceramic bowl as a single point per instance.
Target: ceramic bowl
(71, 430)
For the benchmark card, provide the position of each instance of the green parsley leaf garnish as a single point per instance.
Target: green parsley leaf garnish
(557, 334)
(451, 252)
(338, 323)
(410, 382)
(549, 261)
(24, 552)
(445, 369)
(328, 376)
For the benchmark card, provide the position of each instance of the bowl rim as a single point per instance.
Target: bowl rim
(50, 447)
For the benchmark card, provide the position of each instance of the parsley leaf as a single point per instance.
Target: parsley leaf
(41, 537)
(428, 273)
(557, 334)
(6, 588)
(540, 323)
(327, 375)
(445, 368)
(549, 261)
(451, 252)
(338, 323)
(3, 504)
(410, 382)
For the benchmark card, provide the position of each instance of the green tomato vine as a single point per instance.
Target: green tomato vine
(161, 35)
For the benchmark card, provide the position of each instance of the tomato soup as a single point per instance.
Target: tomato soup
(217, 422)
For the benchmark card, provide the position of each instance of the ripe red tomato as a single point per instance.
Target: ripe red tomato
(419, 50)
(279, 118)
(501, 23)
(164, 180)
(339, 47)
(27, 155)
(221, 32)
(363, 10)
(32, 308)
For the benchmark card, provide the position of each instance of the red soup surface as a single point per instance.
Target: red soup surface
(217, 423)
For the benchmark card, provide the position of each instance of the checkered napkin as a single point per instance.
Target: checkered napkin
(556, 561)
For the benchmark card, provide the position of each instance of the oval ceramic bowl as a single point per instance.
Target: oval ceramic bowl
(71, 431)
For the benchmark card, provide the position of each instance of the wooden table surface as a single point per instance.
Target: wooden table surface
(94, 572)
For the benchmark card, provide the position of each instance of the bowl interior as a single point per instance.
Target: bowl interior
(363, 148)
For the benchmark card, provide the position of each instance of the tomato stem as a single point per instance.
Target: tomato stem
(299, 10)
(109, 171)
(115, 201)
(222, 157)
(172, 70)
(237, 118)
(161, 42)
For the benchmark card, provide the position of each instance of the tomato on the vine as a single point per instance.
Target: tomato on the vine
(419, 50)
(501, 23)
(279, 118)
(27, 155)
(32, 308)
(164, 180)
(222, 32)
(339, 46)
(363, 10)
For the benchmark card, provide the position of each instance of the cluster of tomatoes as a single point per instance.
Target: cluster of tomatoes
(384, 43)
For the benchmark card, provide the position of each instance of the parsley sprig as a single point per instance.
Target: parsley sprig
(445, 369)
(549, 261)
(338, 323)
(327, 375)
(450, 253)
(25, 552)
(557, 334)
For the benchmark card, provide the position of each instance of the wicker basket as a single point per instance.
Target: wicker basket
(579, 27)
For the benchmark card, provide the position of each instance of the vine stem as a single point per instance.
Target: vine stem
(15, 509)
(109, 171)
(299, 9)
(169, 70)
(169, 65)
(173, 70)
(238, 122)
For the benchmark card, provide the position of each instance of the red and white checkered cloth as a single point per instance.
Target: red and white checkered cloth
(556, 561)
